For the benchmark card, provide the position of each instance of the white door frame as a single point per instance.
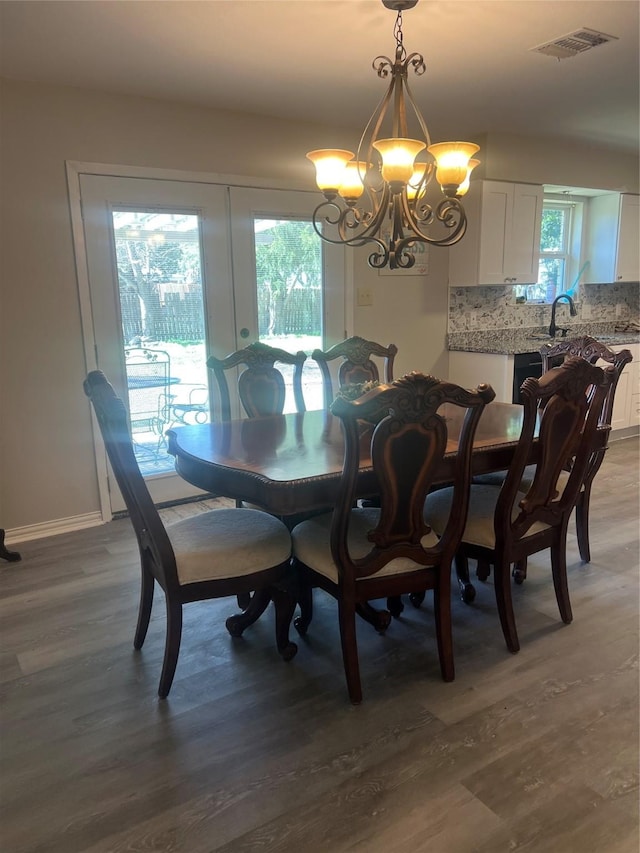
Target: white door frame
(76, 168)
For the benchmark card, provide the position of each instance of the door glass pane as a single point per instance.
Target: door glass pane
(289, 297)
(162, 312)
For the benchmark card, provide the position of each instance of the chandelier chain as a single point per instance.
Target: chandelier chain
(397, 32)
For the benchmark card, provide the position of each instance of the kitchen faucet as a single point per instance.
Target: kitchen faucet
(572, 309)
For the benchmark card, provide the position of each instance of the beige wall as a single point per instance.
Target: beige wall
(535, 161)
(47, 469)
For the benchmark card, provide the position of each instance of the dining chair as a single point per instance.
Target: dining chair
(261, 385)
(357, 365)
(506, 525)
(262, 390)
(209, 555)
(357, 554)
(594, 352)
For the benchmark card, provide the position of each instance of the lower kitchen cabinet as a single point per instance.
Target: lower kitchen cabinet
(626, 406)
(470, 369)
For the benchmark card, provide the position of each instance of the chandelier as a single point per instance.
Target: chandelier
(379, 195)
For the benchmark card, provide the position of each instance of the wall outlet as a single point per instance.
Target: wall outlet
(365, 296)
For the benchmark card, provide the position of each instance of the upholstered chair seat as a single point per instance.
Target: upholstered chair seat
(313, 546)
(479, 529)
(225, 543)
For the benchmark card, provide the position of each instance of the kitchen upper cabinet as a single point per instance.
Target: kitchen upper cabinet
(502, 243)
(612, 248)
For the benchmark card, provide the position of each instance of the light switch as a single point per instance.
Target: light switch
(365, 297)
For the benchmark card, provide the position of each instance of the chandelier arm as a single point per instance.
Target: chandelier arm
(379, 211)
(363, 223)
(377, 117)
(449, 212)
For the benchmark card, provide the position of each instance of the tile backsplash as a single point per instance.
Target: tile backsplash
(476, 308)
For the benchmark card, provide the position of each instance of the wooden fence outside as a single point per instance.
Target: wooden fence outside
(181, 317)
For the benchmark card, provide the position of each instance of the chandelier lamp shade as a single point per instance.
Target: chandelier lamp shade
(378, 195)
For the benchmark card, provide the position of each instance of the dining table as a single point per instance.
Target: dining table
(292, 463)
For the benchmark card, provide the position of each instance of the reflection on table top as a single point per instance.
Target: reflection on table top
(292, 463)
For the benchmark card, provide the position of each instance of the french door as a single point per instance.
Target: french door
(179, 270)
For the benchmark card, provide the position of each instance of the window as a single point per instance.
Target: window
(559, 251)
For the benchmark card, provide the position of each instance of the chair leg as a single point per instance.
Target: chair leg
(347, 619)
(483, 569)
(416, 598)
(305, 600)
(243, 600)
(467, 589)
(559, 571)
(395, 606)
(260, 599)
(582, 523)
(284, 603)
(5, 553)
(380, 619)
(146, 602)
(172, 648)
(444, 635)
(502, 583)
(519, 573)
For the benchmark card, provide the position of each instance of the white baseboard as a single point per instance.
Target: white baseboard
(52, 528)
(625, 432)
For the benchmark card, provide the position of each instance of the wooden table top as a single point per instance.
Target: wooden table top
(292, 463)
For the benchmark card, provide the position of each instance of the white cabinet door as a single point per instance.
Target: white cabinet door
(622, 400)
(495, 231)
(628, 256)
(614, 225)
(524, 243)
(470, 369)
(502, 243)
(627, 399)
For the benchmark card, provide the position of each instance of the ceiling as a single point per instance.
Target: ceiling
(311, 60)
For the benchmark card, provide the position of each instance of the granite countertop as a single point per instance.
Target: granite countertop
(527, 339)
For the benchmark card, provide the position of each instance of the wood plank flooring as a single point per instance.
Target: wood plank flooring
(534, 752)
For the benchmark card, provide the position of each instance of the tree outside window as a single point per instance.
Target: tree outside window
(554, 255)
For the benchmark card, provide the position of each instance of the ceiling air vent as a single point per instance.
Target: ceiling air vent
(572, 44)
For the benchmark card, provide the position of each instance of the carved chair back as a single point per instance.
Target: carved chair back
(147, 524)
(568, 402)
(261, 385)
(356, 366)
(405, 424)
(592, 351)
